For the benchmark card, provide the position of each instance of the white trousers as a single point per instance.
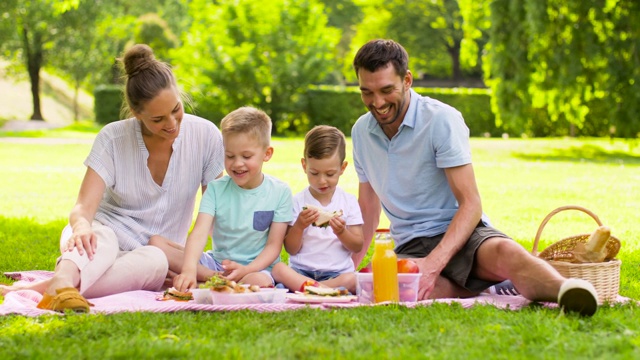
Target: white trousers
(114, 271)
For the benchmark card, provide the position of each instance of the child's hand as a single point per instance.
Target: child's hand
(306, 218)
(233, 270)
(338, 225)
(185, 281)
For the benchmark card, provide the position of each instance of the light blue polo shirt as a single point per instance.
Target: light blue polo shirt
(243, 217)
(407, 171)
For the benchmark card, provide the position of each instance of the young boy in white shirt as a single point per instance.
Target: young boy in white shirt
(321, 255)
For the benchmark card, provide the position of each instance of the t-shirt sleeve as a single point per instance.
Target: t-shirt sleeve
(101, 157)
(285, 205)
(297, 208)
(357, 143)
(450, 139)
(353, 213)
(214, 162)
(208, 202)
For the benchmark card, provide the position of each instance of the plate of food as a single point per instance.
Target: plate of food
(227, 292)
(317, 295)
(175, 295)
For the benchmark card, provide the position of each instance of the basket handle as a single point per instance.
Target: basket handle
(534, 251)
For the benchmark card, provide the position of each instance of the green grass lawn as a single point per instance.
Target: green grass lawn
(520, 181)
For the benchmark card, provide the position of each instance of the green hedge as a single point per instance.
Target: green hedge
(341, 107)
(108, 103)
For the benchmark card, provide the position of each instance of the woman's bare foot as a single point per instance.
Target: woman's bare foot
(37, 286)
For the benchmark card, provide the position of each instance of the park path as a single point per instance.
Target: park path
(44, 141)
(18, 125)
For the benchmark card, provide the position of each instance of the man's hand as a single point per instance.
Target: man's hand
(428, 279)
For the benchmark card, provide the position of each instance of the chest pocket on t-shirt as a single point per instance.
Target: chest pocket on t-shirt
(262, 220)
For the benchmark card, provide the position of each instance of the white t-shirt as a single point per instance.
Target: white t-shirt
(133, 205)
(321, 249)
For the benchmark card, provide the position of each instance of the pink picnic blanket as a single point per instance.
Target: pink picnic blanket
(24, 302)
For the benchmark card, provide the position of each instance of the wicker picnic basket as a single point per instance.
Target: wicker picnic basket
(605, 276)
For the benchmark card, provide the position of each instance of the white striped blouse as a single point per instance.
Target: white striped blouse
(133, 205)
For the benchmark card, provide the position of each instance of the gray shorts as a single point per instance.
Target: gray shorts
(462, 263)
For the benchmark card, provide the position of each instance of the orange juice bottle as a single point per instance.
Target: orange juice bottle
(385, 269)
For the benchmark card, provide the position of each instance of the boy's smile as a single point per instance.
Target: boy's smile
(243, 160)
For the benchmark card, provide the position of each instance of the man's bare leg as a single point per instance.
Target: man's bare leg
(498, 259)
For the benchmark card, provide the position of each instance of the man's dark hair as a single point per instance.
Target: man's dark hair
(376, 54)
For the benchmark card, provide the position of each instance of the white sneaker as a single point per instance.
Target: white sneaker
(504, 288)
(578, 295)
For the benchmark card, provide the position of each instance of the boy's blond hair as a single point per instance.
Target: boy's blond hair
(323, 141)
(248, 120)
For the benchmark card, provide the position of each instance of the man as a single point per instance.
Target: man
(413, 159)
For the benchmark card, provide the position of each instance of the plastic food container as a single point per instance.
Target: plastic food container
(201, 296)
(407, 287)
(264, 296)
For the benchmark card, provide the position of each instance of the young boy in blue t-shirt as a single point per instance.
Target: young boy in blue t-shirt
(251, 211)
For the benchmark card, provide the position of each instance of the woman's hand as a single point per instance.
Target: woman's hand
(84, 239)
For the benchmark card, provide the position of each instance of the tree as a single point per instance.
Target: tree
(344, 15)
(28, 31)
(263, 54)
(566, 61)
(431, 31)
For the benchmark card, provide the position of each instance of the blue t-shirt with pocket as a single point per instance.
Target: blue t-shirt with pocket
(243, 217)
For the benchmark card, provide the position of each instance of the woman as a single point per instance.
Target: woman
(142, 178)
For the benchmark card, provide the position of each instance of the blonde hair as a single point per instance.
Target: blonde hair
(248, 120)
(145, 77)
(323, 141)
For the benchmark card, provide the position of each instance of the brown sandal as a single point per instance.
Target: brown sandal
(66, 299)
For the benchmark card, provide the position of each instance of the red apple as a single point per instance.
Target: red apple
(366, 269)
(407, 266)
(407, 294)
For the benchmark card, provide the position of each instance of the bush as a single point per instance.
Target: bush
(108, 103)
(342, 106)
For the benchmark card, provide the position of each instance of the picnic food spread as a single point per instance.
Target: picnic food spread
(174, 294)
(594, 250)
(325, 291)
(220, 284)
(325, 216)
(318, 294)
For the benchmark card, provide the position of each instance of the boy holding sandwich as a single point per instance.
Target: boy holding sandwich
(251, 211)
(327, 225)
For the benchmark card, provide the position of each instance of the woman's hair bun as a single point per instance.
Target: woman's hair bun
(138, 58)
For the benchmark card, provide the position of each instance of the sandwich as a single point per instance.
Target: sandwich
(325, 216)
(174, 294)
(325, 291)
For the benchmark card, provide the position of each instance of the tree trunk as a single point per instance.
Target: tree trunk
(454, 52)
(75, 101)
(34, 63)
